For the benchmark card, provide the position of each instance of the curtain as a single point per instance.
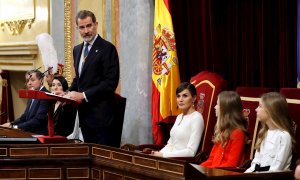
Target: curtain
(247, 42)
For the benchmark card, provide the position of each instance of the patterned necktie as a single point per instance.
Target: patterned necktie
(85, 54)
(86, 50)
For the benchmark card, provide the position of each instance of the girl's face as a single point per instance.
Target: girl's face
(185, 100)
(57, 88)
(217, 108)
(261, 113)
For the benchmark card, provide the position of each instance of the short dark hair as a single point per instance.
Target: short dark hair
(38, 73)
(188, 86)
(63, 82)
(84, 14)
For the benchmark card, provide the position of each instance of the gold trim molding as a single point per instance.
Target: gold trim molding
(68, 9)
(20, 17)
(18, 57)
(16, 27)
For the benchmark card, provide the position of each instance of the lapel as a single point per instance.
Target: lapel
(77, 56)
(58, 110)
(96, 48)
(31, 109)
(31, 106)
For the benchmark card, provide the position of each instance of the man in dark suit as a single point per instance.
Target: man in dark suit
(34, 119)
(97, 74)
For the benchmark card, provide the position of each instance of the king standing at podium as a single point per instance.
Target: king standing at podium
(97, 74)
(34, 119)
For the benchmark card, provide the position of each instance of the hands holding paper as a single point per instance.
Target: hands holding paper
(77, 96)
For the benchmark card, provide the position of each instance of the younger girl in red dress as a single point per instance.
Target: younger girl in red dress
(230, 132)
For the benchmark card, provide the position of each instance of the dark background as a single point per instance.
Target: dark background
(247, 42)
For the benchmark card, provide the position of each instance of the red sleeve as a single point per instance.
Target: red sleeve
(235, 148)
(209, 161)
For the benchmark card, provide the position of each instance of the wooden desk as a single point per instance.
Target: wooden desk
(91, 161)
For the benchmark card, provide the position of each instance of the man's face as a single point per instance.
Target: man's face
(87, 29)
(34, 83)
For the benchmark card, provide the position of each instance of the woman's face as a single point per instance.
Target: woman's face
(217, 108)
(57, 88)
(185, 100)
(261, 112)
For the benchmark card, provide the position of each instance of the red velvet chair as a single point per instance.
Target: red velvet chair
(250, 98)
(293, 98)
(208, 86)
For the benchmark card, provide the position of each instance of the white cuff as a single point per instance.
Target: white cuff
(85, 97)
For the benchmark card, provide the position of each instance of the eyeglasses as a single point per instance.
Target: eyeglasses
(88, 26)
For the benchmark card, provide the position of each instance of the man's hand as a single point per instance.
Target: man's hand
(7, 125)
(77, 96)
(297, 172)
(157, 153)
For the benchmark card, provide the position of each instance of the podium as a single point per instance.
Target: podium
(34, 94)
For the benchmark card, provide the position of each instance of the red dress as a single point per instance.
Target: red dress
(230, 156)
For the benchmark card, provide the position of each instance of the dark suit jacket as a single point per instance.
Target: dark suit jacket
(35, 119)
(64, 119)
(99, 79)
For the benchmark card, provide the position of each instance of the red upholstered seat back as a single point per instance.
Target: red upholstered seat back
(293, 99)
(208, 86)
(250, 98)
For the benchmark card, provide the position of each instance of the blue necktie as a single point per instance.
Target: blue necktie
(85, 54)
(30, 107)
(86, 50)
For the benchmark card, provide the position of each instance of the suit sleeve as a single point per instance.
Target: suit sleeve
(74, 86)
(110, 68)
(39, 120)
(22, 118)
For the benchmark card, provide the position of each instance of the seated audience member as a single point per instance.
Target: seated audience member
(275, 138)
(297, 170)
(63, 114)
(34, 119)
(186, 133)
(230, 132)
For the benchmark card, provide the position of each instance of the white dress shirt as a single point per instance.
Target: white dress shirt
(275, 151)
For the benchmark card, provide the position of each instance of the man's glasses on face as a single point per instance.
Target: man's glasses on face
(88, 26)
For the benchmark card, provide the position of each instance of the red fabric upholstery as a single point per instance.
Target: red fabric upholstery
(293, 99)
(250, 98)
(208, 86)
(165, 127)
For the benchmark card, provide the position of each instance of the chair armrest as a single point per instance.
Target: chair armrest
(153, 147)
(144, 148)
(170, 120)
(201, 157)
(235, 169)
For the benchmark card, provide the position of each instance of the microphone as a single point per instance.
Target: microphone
(29, 75)
(47, 71)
